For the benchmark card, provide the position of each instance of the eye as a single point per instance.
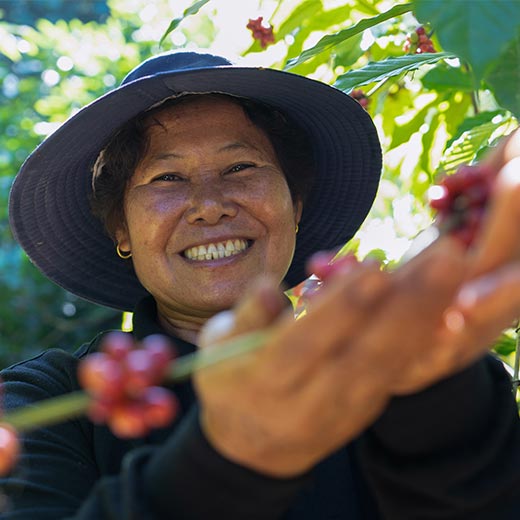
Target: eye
(167, 177)
(240, 167)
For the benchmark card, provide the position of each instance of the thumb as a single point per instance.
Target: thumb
(259, 308)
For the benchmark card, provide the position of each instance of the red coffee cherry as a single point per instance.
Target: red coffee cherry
(118, 344)
(161, 353)
(9, 448)
(101, 376)
(127, 420)
(160, 407)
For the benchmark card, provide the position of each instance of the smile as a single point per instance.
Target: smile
(214, 251)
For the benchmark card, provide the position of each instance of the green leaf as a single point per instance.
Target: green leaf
(348, 52)
(427, 142)
(443, 78)
(331, 40)
(465, 149)
(505, 345)
(403, 132)
(476, 31)
(505, 79)
(300, 16)
(476, 120)
(378, 70)
(193, 9)
(319, 21)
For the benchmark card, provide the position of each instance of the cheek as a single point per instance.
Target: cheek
(273, 197)
(149, 215)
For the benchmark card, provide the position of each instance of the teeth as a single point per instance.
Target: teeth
(217, 250)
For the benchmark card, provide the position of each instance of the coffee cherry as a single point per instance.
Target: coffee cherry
(139, 372)
(460, 201)
(127, 420)
(101, 375)
(9, 448)
(160, 407)
(160, 351)
(118, 344)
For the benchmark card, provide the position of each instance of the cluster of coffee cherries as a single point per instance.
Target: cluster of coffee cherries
(418, 42)
(460, 201)
(123, 378)
(263, 33)
(360, 97)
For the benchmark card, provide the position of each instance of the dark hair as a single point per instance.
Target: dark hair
(128, 146)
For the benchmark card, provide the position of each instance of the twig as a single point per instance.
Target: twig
(48, 412)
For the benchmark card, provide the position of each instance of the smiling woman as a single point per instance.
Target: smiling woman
(198, 187)
(209, 177)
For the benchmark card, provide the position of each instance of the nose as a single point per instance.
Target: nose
(209, 203)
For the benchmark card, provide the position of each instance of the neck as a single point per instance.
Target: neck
(184, 326)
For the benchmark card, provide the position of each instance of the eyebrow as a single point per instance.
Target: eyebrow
(237, 145)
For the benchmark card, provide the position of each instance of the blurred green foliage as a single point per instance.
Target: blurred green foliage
(28, 12)
(433, 112)
(48, 70)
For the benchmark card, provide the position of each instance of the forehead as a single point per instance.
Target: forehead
(199, 109)
(201, 120)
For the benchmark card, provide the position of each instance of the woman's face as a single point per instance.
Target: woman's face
(208, 208)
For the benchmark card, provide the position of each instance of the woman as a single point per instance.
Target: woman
(210, 185)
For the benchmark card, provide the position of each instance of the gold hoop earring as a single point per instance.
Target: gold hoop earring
(122, 254)
(297, 228)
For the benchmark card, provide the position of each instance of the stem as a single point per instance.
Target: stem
(276, 9)
(49, 411)
(74, 404)
(186, 365)
(474, 101)
(377, 86)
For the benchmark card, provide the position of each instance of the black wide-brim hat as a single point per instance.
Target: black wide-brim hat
(49, 202)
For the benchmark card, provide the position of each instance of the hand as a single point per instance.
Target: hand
(323, 379)
(282, 408)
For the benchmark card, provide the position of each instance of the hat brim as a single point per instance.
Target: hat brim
(49, 202)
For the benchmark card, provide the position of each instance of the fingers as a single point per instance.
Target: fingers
(481, 310)
(406, 330)
(487, 305)
(258, 309)
(499, 240)
(339, 311)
